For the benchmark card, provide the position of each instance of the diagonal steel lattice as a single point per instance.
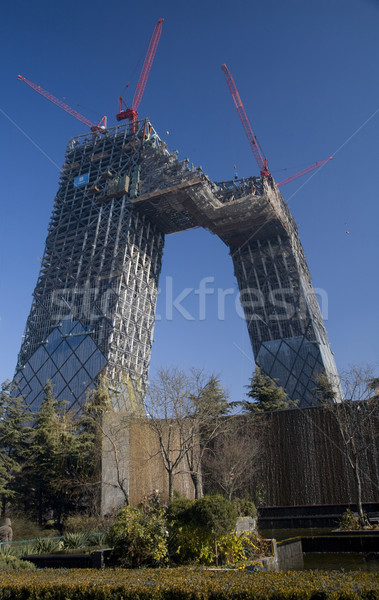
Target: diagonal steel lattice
(93, 307)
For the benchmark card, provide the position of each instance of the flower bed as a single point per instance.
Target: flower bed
(186, 584)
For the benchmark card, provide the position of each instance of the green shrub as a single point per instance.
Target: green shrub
(198, 527)
(139, 537)
(216, 514)
(9, 562)
(245, 507)
(71, 541)
(47, 546)
(348, 521)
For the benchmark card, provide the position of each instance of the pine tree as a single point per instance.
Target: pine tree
(56, 458)
(265, 395)
(15, 434)
(212, 399)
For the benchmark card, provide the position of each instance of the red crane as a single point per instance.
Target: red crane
(101, 126)
(131, 113)
(304, 171)
(259, 157)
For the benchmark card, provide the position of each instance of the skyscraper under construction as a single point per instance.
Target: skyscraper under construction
(93, 309)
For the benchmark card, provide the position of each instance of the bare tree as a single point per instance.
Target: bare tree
(109, 430)
(168, 411)
(233, 459)
(357, 419)
(207, 420)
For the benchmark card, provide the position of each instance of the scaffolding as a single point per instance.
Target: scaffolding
(94, 304)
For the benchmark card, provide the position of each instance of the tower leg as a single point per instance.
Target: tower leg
(283, 317)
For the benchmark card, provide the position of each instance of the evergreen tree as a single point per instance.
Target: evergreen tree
(208, 405)
(15, 433)
(56, 464)
(265, 395)
(212, 399)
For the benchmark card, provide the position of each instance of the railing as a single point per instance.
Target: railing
(226, 191)
(140, 129)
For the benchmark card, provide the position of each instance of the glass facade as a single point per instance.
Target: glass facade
(69, 358)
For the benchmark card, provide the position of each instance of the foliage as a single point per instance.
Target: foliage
(198, 527)
(265, 395)
(10, 563)
(210, 400)
(47, 546)
(187, 584)
(186, 539)
(260, 495)
(245, 507)
(209, 406)
(349, 521)
(215, 514)
(15, 432)
(45, 458)
(139, 537)
(75, 540)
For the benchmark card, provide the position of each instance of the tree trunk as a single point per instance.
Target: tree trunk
(170, 486)
(197, 484)
(358, 488)
(216, 549)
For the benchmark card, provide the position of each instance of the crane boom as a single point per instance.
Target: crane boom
(64, 106)
(131, 113)
(262, 162)
(307, 170)
(147, 65)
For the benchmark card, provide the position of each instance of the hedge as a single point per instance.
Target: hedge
(187, 584)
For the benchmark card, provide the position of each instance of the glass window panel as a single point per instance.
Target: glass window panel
(79, 383)
(53, 340)
(70, 367)
(95, 363)
(60, 355)
(27, 372)
(86, 348)
(47, 371)
(58, 384)
(280, 372)
(38, 358)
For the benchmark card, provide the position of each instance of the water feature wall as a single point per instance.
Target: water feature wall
(303, 461)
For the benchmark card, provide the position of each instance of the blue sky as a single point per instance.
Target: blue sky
(307, 74)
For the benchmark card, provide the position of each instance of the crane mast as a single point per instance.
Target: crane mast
(131, 113)
(261, 161)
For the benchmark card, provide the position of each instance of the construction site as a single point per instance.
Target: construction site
(121, 191)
